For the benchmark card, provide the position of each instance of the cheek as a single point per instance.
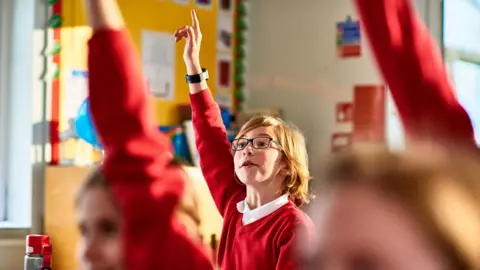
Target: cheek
(237, 158)
(114, 249)
(271, 159)
(80, 252)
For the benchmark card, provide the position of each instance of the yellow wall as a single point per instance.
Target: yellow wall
(154, 15)
(61, 186)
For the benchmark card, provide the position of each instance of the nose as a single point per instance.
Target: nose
(90, 252)
(248, 150)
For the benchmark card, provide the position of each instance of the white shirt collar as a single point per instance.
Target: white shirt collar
(252, 215)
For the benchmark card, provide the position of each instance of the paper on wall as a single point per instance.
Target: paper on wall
(76, 90)
(224, 32)
(224, 99)
(158, 54)
(224, 72)
(206, 4)
(182, 2)
(190, 133)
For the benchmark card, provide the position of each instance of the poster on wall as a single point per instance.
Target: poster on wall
(348, 38)
(204, 4)
(341, 141)
(76, 90)
(225, 5)
(224, 32)
(158, 52)
(190, 133)
(182, 2)
(369, 113)
(224, 98)
(344, 112)
(224, 71)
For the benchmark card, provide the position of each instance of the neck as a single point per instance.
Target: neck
(260, 195)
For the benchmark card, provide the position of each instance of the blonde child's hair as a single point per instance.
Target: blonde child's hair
(440, 190)
(295, 153)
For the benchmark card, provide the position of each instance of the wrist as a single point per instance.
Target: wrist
(194, 68)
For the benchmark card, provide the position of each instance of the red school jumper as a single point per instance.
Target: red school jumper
(413, 68)
(266, 244)
(137, 157)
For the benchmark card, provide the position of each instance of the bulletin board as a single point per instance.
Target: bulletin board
(159, 16)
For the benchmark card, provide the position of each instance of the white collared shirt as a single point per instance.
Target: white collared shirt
(252, 215)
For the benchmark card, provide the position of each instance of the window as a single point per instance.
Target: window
(462, 54)
(21, 92)
(4, 66)
(466, 77)
(431, 13)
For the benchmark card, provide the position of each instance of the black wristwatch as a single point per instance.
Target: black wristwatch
(197, 77)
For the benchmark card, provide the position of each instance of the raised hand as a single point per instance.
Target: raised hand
(193, 37)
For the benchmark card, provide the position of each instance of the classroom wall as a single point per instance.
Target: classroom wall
(309, 28)
(165, 16)
(292, 65)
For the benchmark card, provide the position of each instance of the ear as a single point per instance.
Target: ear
(285, 169)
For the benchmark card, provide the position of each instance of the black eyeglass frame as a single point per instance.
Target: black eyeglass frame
(250, 141)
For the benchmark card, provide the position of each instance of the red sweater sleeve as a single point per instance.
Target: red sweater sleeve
(288, 249)
(289, 241)
(216, 160)
(137, 158)
(413, 68)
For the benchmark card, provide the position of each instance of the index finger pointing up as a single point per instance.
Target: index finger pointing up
(195, 23)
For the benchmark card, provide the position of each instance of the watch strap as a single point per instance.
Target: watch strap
(197, 78)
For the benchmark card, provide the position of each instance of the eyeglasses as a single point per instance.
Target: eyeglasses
(257, 143)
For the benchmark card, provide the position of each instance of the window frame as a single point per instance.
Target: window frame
(5, 35)
(453, 54)
(23, 96)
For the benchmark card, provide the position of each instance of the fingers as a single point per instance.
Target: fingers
(180, 30)
(181, 33)
(191, 33)
(195, 23)
(180, 36)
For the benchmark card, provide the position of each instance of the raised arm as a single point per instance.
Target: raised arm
(211, 138)
(413, 68)
(120, 102)
(137, 157)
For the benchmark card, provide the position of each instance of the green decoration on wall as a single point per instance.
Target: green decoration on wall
(55, 21)
(239, 79)
(52, 73)
(239, 67)
(239, 94)
(240, 52)
(241, 9)
(55, 49)
(56, 73)
(241, 24)
(240, 37)
(240, 107)
(240, 82)
(52, 2)
(239, 64)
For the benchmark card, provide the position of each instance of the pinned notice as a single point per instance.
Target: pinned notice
(348, 38)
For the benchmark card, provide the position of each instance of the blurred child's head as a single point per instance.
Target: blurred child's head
(100, 222)
(390, 211)
(271, 152)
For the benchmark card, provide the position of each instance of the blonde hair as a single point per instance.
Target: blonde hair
(441, 191)
(294, 148)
